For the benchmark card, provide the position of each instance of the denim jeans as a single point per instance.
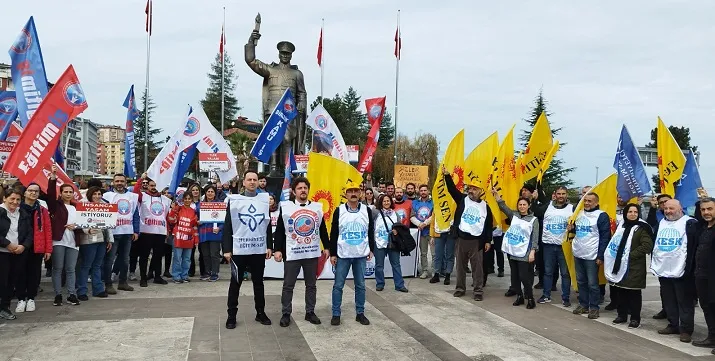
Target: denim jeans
(181, 263)
(341, 273)
(117, 259)
(64, 259)
(444, 253)
(92, 261)
(394, 256)
(552, 254)
(587, 279)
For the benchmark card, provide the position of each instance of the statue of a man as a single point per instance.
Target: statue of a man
(276, 78)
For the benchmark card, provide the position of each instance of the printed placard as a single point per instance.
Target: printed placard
(214, 212)
(301, 163)
(5, 149)
(213, 162)
(417, 174)
(96, 215)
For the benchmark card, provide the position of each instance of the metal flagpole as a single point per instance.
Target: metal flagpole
(223, 60)
(322, 61)
(146, 90)
(398, 45)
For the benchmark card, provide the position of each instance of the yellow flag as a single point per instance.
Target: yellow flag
(540, 142)
(607, 202)
(671, 160)
(479, 165)
(547, 161)
(505, 173)
(328, 177)
(444, 205)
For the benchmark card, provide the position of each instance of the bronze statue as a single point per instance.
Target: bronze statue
(276, 78)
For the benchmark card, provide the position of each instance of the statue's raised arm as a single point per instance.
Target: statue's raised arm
(256, 65)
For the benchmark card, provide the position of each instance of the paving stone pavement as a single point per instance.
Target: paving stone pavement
(186, 322)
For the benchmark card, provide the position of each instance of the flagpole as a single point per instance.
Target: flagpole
(223, 61)
(322, 62)
(146, 89)
(397, 79)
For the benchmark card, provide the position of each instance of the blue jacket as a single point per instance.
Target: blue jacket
(206, 232)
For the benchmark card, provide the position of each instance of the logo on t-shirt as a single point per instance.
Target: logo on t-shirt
(354, 233)
(157, 208)
(123, 206)
(668, 239)
(471, 216)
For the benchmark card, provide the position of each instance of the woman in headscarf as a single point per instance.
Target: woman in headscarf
(625, 263)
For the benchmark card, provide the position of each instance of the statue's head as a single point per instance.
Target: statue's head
(285, 51)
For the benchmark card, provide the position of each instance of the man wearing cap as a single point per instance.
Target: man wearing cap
(277, 77)
(352, 241)
(473, 227)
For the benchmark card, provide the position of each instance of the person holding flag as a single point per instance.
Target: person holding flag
(300, 227)
(473, 226)
(247, 243)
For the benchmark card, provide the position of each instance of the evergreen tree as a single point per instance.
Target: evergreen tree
(681, 136)
(154, 144)
(557, 174)
(212, 100)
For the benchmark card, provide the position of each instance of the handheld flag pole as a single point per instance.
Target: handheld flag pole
(223, 60)
(320, 59)
(398, 50)
(149, 13)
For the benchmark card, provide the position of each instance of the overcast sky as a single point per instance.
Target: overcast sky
(465, 64)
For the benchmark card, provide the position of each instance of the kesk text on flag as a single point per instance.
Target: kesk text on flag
(444, 205)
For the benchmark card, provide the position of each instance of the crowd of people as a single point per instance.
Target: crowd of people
(153, 226)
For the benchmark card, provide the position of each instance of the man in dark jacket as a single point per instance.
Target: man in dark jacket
(473, 228)
(705, 268)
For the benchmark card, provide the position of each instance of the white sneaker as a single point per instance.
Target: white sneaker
(424, 275)
(132, 276)
(21, 306)
(30, 306)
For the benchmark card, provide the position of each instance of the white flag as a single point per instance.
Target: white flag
(326, 135)
(162, 167)
(211, 141)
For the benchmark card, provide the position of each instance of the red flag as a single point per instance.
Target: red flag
(62, 178)
(398, 43)
(148, 11)
(39, 139)
(223, 42)
(320, 49)
(375, 112)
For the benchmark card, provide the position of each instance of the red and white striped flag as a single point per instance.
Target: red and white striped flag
(223, 42)
(320, 48)
(398, 43)
(375, 112)
(148, 11)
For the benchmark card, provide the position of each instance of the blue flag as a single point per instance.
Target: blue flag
(632, 178)
(28, 72)
(289, 166)
(275, 128)
(8, 112)
(185, 159)
(130, 166)
(686, 190)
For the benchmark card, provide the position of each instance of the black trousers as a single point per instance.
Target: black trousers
(629, 302)
(154, 244)
(495, 255)
(708, 307)
(256, 263)
(522, 273)
(8, 263)
(168, 255)
(291, 270)
(133, 256)
(202, 265)
(539, 256)
(28, 270)
(679, 303)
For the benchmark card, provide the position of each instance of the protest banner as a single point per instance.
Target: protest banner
(417, 174)
(212, 212)
(213, 162)
(5, 149)
(301, 163)
(96, 215)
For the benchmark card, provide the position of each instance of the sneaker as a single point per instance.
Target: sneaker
(186, 280)
(435, 278)
(285, 320)
(81, 298)
(424, 275)
(478, 297)
(580, 310)
(143, 283)
(362, 319)
(104, 294)
(231, 323)
(21, 305)
(110, 290)
(312, 318)
(263, 319)
(30, 306)
(446, 279)
(178, 282)
(593, 314)
(160, 281)
(132, 276)
(58, 301)
(634, 324)
(125, 287)
(544, 299)
(335, 321)
(566, 303)
(6, 314)
(72, 300)
(619, 320)
(204, 277)
(213, 278)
